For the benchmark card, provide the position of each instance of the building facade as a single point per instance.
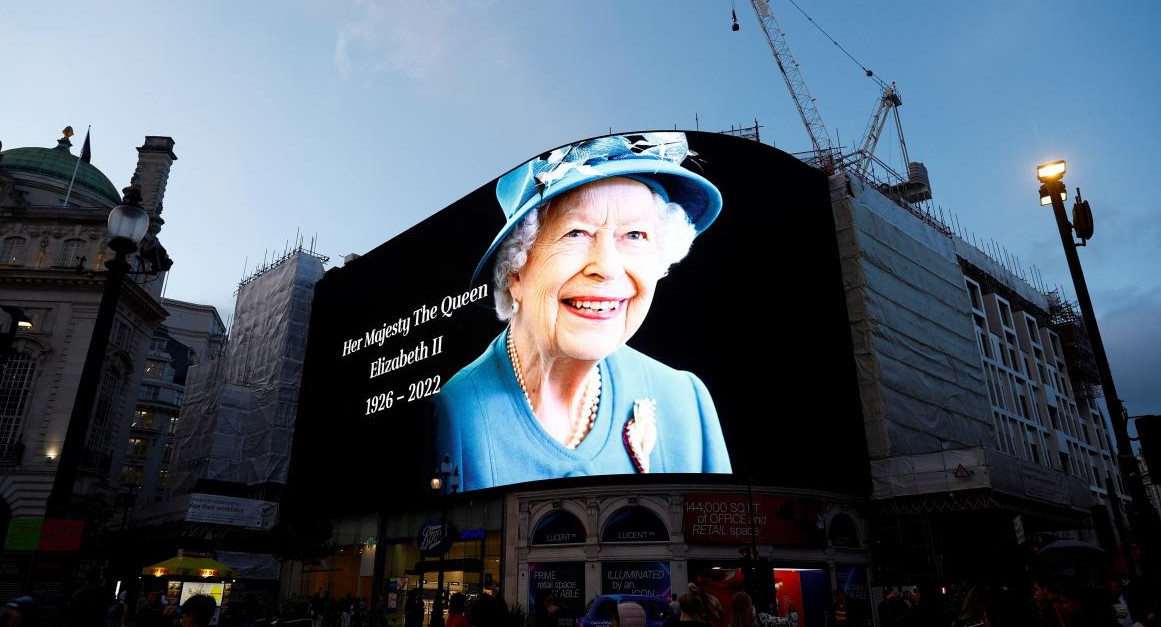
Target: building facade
(192, 334)
(975, 424)
(982, 418)
(53, 210)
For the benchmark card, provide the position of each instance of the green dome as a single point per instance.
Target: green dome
(59, 163)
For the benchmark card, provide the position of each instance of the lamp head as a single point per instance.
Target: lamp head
(1046, 197)
(19, 319)
(128, 222)
(1054, 171)
(436, 483)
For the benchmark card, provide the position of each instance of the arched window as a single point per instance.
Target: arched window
(842, 532)
(558, 527)
(70, 251)
(12, 251)
(15, 389)
(634, 524)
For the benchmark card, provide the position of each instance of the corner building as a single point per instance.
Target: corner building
(53, 244)
(958, 425)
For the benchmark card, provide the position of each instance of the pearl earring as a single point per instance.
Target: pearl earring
(515, 307)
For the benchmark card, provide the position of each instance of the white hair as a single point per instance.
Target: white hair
(675, 236)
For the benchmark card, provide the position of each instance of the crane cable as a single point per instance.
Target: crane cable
(868, 72)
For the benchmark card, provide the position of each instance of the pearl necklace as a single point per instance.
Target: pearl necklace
(590, 402)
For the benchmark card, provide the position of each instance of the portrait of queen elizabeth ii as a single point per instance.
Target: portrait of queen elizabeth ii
(590, 231)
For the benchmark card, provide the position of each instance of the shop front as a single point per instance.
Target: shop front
(581, 548)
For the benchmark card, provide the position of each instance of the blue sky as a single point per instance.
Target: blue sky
(354, 119)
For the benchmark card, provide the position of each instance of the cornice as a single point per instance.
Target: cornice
(132, 295)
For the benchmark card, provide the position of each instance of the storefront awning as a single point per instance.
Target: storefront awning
(188, 566)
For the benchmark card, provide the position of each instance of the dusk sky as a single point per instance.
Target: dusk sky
(350, 121)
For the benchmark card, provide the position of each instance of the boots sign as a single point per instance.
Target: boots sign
(434, 540)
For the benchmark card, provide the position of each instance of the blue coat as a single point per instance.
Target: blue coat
(487, 428)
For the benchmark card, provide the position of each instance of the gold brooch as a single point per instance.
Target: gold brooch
(640, 433)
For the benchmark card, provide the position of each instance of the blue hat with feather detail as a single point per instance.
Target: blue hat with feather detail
(654, 159)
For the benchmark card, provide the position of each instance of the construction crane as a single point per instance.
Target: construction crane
(916, 186)
(889, 102)
(912, 189)
(823, 150)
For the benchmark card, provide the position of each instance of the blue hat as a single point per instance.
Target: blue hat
(651, 158)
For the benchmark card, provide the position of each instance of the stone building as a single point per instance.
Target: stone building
(193, 334)
(53, 244)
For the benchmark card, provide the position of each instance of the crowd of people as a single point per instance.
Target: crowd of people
(24, 611)
(348, 611)
(1050, 601)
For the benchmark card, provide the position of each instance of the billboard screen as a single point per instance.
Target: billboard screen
(629, 305)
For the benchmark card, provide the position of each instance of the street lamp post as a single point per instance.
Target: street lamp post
(128, 223)
(446, 481)
(1142, 520)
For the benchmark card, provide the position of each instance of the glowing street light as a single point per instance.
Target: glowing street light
(1143, 519)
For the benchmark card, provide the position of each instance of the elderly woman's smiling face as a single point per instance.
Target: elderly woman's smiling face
(591, 273)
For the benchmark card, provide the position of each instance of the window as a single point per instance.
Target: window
(1033, 447)
(12, 251)
(160, 345)
(138, 447)
(149, 393)
(173, 426)
(162, 479)
(143, 419)
(974, 292)
(159, 369)
(71, 253)
(15, 388)
(100, 429)
(131, 474)
(1065, 462)
(167, 452)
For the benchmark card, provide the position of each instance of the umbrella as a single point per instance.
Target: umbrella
(188, 566)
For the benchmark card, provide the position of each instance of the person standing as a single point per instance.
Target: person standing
(413, 609)
(316, 610)
(455, 611)
(198, 611)
(544, 614)
(20, 612)
(629, 614)
(742, 611)
(689, 612)
(89, 605)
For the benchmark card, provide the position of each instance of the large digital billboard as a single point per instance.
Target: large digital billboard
(638, 304)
